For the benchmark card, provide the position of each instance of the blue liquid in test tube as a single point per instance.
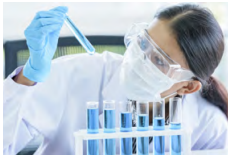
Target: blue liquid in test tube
(159, 141)
(125, 126)
(142, 122)
(79, 36)
(92, 127)
(175, 113)
(109, 127)
(109, 118)
(142, 125)
(159, 124)
(175, 140)
(142, 142)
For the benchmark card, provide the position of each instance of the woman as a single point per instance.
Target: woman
(49, 97)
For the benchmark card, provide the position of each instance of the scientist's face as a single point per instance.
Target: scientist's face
(162, 35)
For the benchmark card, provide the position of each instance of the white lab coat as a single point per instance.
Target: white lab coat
(57, 107)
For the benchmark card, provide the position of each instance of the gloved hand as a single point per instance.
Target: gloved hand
(42, 38)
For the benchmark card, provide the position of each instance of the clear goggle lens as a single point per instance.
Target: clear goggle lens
(155, 54)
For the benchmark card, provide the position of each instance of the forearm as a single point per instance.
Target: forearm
(21, 79)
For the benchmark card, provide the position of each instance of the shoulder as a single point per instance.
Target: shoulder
(112, 61)
(75, 63)
(211, 113)
(211, 132)
(113, 57)
(83, 58)
(78, 58)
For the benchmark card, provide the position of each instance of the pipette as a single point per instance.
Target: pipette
(79, 36)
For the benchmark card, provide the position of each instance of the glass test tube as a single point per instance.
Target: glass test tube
(79, 36)
(159, 124)
(92, 127)
(175, 114)
(142, 125)
(125, 126)
(109, 127)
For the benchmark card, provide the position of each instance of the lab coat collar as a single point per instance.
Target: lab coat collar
(190, 105)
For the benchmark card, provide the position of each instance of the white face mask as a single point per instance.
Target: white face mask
(140, 78)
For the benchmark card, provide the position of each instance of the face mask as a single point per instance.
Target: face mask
(140, 78)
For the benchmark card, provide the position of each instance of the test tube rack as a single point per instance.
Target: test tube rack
(82, 135)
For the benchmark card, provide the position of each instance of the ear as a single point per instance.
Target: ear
(191, 87)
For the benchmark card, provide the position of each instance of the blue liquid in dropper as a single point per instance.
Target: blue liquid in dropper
(92, 128)
(159, 141)
(126, 126)
(109, 127)
(142, 142)
(79, 36)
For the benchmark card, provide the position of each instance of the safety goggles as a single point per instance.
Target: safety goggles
(155, 54)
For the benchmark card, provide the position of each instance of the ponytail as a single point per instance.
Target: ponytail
(215, 92)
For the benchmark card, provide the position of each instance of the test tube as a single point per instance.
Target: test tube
(159, 124)
(92, 127)
(175, 114)
(79, 36)
(142, 125)
(109, 127)
(125, 126)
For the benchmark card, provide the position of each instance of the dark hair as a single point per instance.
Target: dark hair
(202, 42)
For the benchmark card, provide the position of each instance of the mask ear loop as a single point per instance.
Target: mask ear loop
(172, 94)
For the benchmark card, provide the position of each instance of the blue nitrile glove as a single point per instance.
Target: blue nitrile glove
(42, 38)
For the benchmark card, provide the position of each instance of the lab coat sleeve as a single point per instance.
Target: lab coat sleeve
(32, 110)
(15, 129)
